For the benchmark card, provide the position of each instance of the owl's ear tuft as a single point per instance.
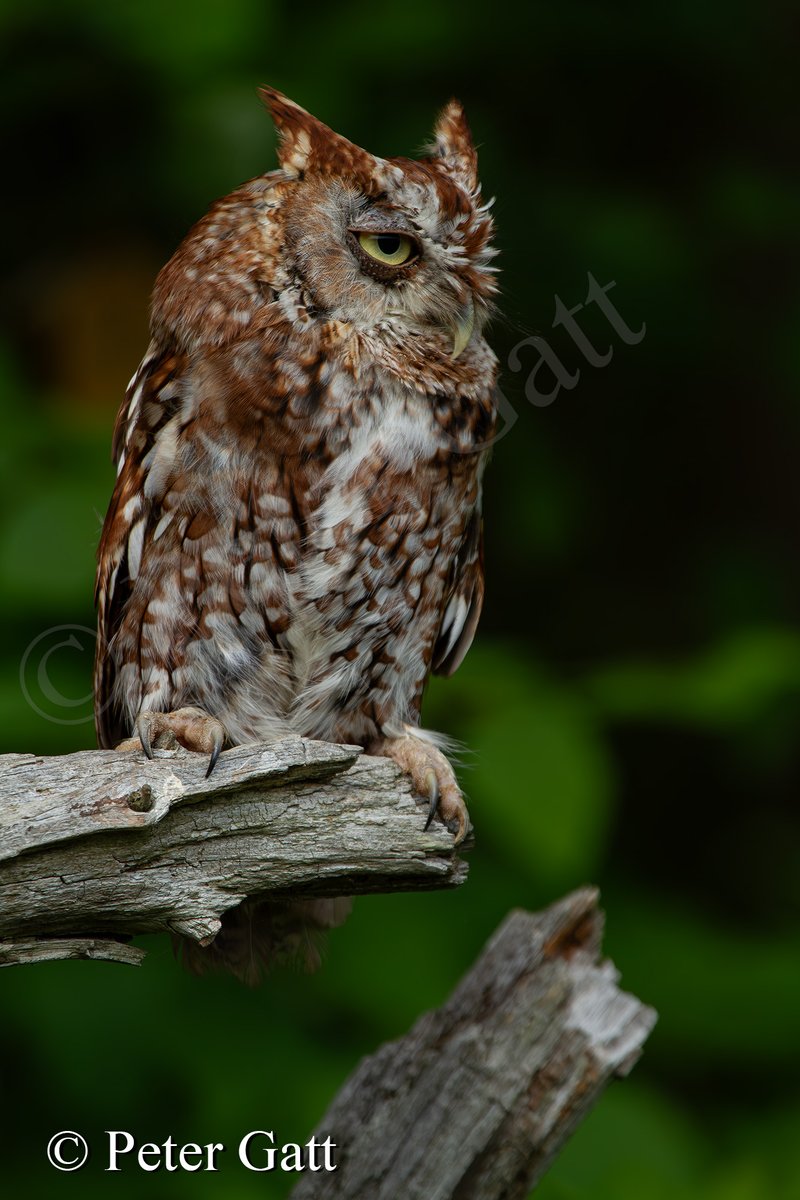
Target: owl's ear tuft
(306, 145)
(294, 127)
(453, 149)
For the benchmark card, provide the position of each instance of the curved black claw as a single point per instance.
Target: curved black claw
(219, 741)
(433, 795)
(142, 730)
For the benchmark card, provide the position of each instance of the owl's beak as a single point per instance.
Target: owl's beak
(462, 329)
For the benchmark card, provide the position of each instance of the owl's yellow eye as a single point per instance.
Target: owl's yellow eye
(393, 249)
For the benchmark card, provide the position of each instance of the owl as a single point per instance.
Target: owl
(294, 539)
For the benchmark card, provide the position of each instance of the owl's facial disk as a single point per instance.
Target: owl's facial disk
(395, 247)
(400, 268)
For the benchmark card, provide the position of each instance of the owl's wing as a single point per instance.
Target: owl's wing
(148, 405)
(463, 602)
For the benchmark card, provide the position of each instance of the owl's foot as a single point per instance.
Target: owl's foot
(188, 727)
(431, 775)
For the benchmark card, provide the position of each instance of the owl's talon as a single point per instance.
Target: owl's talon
(432, 777)
(432, 790)
(188, 727)
(142, 729)
(216, 750)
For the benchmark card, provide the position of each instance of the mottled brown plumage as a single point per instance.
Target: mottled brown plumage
(294, 539)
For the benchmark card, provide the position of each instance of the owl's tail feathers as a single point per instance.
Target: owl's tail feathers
(260, 934)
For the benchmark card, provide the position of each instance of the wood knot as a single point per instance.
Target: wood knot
(142, 799)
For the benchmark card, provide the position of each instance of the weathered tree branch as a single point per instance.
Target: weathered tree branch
(478, 1098)
(100, 845)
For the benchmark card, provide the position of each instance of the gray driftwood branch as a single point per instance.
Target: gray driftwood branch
(477, 1099)
(98, 846)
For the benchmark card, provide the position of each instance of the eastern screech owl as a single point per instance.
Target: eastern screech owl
(294, 539)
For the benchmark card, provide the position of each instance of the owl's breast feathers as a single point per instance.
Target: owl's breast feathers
(293, 541)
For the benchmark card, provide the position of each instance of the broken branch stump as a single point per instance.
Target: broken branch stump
(478, 1098)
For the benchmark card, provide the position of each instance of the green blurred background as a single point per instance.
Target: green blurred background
(631, 701)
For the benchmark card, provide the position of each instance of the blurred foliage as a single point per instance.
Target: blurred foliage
(629, 711)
